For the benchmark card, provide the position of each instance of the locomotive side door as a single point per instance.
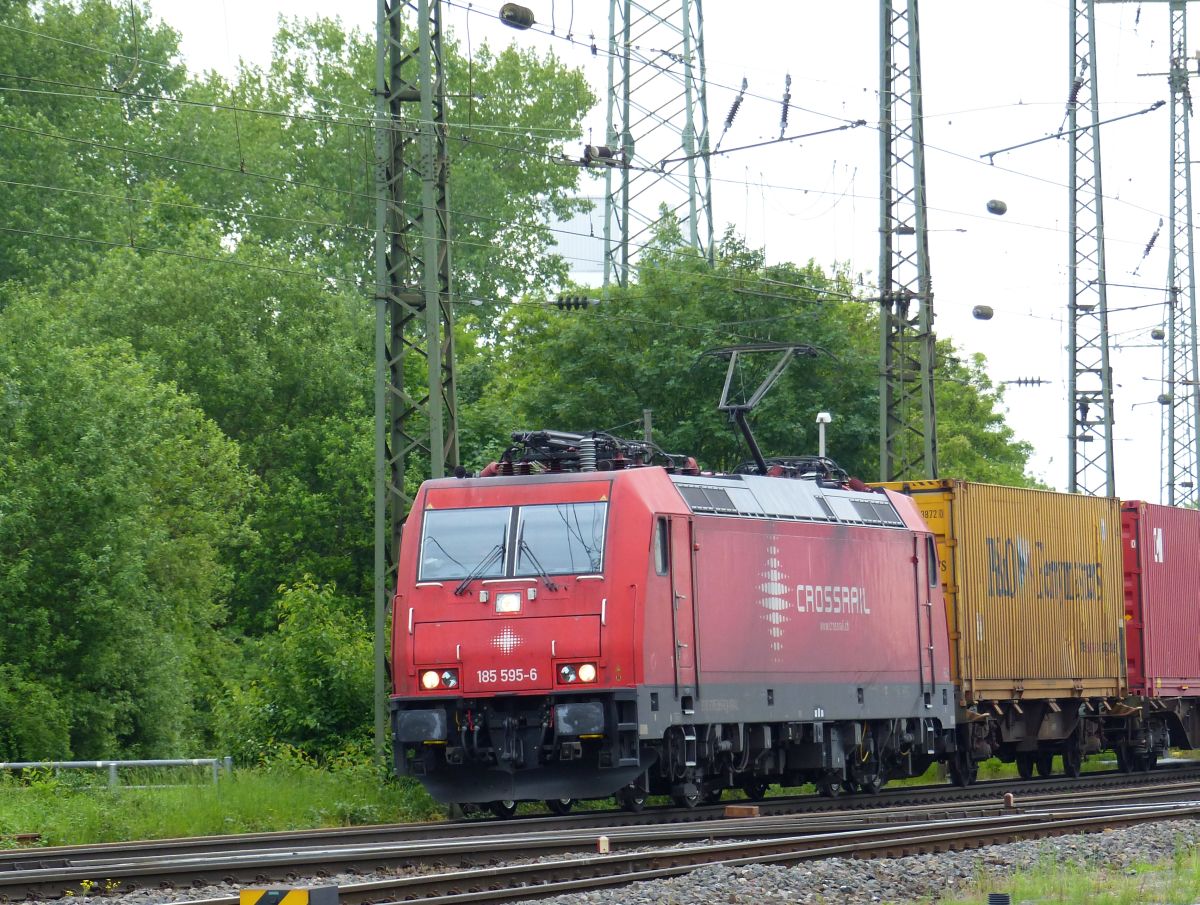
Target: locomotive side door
(925, 565)
(683, 622)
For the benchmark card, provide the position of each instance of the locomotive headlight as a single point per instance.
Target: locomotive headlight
(430, 679)
(508, 603)
(566, 673)
(587, 672)
(450, 678)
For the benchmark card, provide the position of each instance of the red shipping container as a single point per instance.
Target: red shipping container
(1162, 598)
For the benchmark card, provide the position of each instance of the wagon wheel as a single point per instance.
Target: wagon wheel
(1124, 759)
(713, 796)
(755, 789)
(503, 809)
(1045, 764)
(1025, 765)
(632, 799)
(560, 806)
(963, 769)
(871, 785)
(1144, 761)
(1072, 761)
(687, 799)
(830, 786)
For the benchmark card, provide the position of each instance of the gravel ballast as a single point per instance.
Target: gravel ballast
(844, 880)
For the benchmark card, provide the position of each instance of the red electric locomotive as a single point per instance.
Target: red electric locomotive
(590, 617)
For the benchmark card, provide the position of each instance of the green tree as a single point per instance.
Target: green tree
(307, 685)
(643, 347)
(70, 72)
(974, 441)
(119, 504)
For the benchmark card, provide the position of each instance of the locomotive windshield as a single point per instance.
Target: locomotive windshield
(554, 539)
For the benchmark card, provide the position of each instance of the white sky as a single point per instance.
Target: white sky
(994, 75)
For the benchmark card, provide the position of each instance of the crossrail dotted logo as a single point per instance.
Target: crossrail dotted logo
(507, 641)
(775, 601)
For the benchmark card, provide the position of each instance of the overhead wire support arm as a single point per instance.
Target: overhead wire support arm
(1062, 133)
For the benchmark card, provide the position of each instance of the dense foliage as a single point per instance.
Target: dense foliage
(186, 367)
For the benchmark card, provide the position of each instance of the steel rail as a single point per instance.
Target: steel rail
(253, 865)
(529, 881)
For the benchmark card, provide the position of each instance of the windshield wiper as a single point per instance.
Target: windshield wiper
(487, 560)
(528, 551)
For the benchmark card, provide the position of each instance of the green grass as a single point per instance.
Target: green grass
(76, 808)
(1172, 882)
(73, 807)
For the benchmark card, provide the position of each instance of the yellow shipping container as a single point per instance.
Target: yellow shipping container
(1034, 589)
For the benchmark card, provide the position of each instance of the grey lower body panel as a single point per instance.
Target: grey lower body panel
(660, 707)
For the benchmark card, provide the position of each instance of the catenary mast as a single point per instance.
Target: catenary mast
(413, 305)
(657, 126)
(907, 416)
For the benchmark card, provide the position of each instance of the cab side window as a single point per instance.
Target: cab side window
(931, 558)
(661, 540)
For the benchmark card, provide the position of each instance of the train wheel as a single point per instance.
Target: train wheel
(1072, 761)
(871, 785)
(756, 789)
(1144, 761)
(713, 796)
(687, 799)
(1025, 765)
(1124, 759)
(1045, 764)
(830, 786)
(503, 809)
(632, 799)
(560, 806)
(963, 770)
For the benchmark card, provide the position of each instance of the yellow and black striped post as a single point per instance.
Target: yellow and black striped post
(283, 895)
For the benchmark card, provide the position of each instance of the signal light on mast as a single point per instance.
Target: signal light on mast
(573, 302)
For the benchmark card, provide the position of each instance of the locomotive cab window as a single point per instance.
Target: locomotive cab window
(561, 539)
(508, 541)
(454, 542)
(661, 539)
(931, 558)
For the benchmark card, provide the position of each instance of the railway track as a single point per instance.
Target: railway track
(474, 851)
(587, 873)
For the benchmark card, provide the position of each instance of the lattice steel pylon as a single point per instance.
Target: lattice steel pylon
(413, 304)
(657, 125)
(907, 414)
(1089, 392)
(1181, 411)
